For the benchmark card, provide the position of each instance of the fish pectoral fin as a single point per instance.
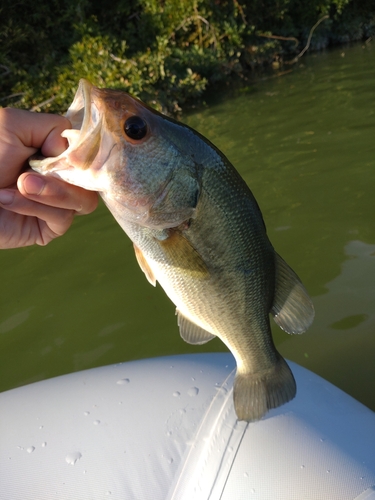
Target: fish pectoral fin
(190, 332)
(181, 254)
(144, 265)
(292, 308)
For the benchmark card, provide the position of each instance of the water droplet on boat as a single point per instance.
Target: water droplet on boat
(170, 461)
(44, 444)
(252, 490)
(245, 474)
(123, 381)
(193, 391)
(176, 394)
(30, 449)
(96, 422)
(72, 458)
(86, 413)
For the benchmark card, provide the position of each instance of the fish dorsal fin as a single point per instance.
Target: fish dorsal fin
(143, 264)
(292, 308)
(190, 332)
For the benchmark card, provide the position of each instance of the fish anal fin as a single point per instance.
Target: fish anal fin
(292, 308)
(190, 332)
(254, 394)
(144, 265)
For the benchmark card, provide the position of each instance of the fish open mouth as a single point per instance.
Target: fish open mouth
(83, 137)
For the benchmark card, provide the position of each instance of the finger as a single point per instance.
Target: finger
(58, 220)
(32, 130)
(22, 134)
(11, 230)
(54, 192)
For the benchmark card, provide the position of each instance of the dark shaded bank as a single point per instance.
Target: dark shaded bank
(168, 52)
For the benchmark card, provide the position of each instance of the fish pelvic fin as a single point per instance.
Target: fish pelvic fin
(292, 309)
(192, 333)
(254, 394)
(144, 265)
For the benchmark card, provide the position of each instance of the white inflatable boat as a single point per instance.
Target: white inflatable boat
(165, 428)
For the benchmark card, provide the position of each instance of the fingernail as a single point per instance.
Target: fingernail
(33, 184)
(6, 197)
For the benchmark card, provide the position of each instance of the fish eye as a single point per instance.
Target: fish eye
(135, 127)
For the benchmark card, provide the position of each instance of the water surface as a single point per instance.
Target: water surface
(305, 144)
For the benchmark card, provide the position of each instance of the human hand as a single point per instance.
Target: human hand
(35, 209)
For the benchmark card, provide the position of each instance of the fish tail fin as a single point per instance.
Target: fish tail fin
(254, 394)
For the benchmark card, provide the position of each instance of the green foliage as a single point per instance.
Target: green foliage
(167, 52)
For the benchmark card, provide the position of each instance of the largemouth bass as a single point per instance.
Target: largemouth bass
(197, 230)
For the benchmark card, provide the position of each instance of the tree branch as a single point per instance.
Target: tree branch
(308, 40)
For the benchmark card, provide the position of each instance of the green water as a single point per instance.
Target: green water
(305, 143)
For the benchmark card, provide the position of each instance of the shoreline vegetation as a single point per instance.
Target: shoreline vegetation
(169, 53)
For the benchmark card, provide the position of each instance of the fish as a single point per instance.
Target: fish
(197, 230)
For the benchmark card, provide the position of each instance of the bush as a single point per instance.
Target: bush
(165, 52)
